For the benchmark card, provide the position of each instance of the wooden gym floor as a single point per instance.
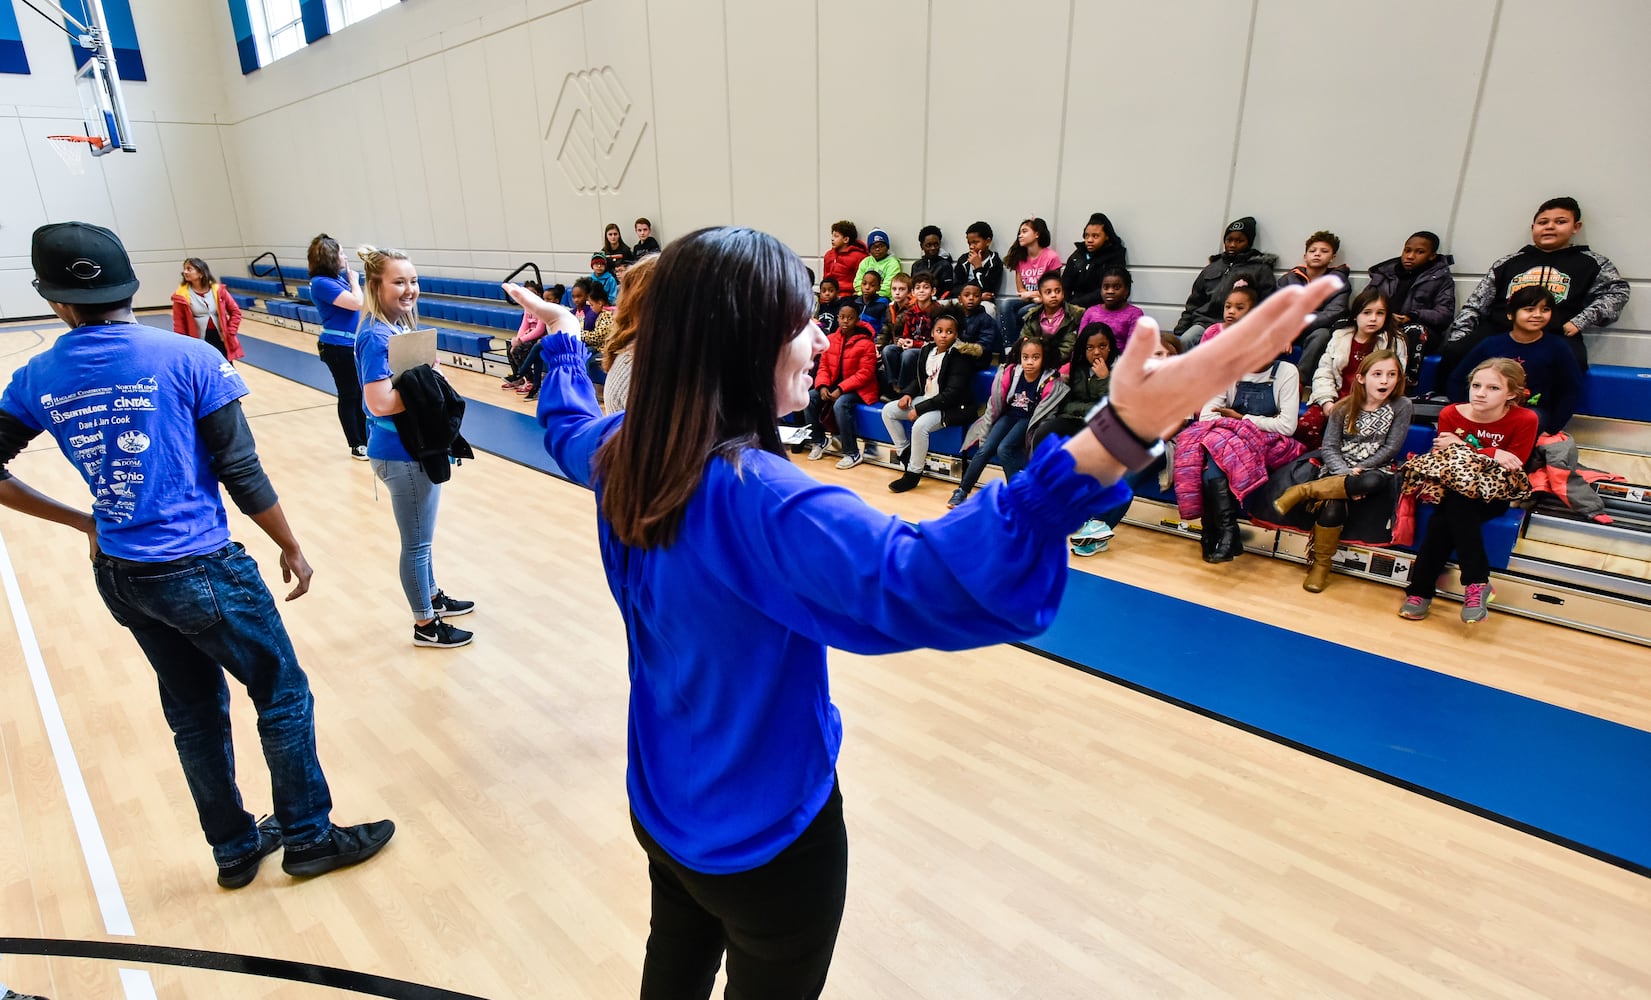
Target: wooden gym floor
(1018, 829)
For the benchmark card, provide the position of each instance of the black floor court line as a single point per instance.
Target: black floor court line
(222, 961)
(1569, 778)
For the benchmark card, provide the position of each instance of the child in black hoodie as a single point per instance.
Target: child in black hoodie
(1100, 248)
(1238, 259)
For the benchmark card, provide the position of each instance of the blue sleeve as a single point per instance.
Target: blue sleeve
(214, 381)
(12, 401)
(568, 411)
(820, 560)
(372, 355)
(325, 290)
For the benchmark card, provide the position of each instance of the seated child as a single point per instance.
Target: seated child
(614, 248)
(596, 335)
(978, 338)
(905, 336)
(842, 261)
(1029, 259)
(873, 306)
(1552, 380)
(1589, 293)
(893, 319)
(1056, 321)
(941, 394)
(645, 243)
(1238, 303)
(935, 262)
(1095, 535)
(1114, 309)
(1347, 487)
(1422, 291)
(1101, 248)
(1372, 329)
(531, 329)
(1024, 391)
(879, 260)
(981, 264)
(1318, 260)
(1493, 424)
(847, 377)
(1241, 436)
(1238, 261)
(825, 310)
(601, 274)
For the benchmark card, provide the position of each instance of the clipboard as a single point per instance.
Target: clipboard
(411, 349)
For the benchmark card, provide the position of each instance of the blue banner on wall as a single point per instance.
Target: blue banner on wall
(314, 13)
(123, 33)
(245, 47)
(12, 57)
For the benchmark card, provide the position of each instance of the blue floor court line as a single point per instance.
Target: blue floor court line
(1567, 777)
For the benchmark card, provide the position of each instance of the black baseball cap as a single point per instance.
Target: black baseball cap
(81, 264)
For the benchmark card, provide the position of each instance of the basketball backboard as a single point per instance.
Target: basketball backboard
(97, 107)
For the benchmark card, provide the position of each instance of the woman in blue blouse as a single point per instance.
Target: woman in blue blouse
(707, 534)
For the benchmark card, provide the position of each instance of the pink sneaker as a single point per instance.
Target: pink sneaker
(1415, 608)
(1476, 598)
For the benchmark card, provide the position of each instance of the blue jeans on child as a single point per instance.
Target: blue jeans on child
(843, 409)
(1011, 315)
(1007, 440)
(414, 499)
(900, 363)
(194, 619)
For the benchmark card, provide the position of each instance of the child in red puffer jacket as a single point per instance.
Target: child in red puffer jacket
(847, 377)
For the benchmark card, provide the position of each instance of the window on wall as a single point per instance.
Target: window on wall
(278, 25)
(277, 28)
(343, 13)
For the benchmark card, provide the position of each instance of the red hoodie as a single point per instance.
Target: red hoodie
(850, 363)
(842, 265)
(229, 316)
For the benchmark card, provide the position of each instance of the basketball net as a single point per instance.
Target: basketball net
(71, 150)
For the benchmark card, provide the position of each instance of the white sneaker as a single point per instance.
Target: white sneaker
(816, 452)
(850, 461)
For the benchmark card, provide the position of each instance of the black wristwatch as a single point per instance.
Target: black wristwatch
(1122, 443)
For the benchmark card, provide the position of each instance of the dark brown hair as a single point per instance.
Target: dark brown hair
(721, 306)
(326, 257)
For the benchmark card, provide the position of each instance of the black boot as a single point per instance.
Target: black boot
(1220, 522)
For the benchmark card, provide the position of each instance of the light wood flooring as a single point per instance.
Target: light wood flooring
(1018, 829)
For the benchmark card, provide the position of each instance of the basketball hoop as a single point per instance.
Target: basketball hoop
(68, 149)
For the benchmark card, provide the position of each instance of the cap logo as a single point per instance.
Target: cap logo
(85, 269)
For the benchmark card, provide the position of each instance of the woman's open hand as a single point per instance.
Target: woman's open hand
(1152, 397)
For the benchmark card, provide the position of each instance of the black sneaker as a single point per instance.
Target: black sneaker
(342, 847)
(14, 995)
(448, 607)
(441, 635)
(239, 874)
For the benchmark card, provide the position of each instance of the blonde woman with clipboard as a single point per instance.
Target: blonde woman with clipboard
(389, 312)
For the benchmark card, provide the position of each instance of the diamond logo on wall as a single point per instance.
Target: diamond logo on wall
(595, 130)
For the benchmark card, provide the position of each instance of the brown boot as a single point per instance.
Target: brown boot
(1319, 558)
(1328, 488)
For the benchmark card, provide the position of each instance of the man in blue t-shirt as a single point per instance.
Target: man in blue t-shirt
(153, 424)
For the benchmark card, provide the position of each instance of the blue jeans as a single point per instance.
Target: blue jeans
(900, 364)
(1011, 315)
(414, 499)
(843, 408)
(195, 619)
(1007, 441)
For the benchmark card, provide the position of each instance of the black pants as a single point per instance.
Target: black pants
(216, 340)
(777, 922)
(1457, 525)
(340, 360)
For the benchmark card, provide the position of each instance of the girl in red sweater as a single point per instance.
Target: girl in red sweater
(1493, 424)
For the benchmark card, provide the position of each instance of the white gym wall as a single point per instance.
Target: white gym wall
(1370, 120)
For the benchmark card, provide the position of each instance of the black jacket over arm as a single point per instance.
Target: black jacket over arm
(429, 426)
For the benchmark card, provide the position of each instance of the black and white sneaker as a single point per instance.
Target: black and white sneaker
(440, 635)
(448, 607)
(359, 453)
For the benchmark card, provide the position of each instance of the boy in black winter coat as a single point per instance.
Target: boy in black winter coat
(1238, 259)
(1423, 291)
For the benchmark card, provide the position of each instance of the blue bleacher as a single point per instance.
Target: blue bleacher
(1615, 391)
